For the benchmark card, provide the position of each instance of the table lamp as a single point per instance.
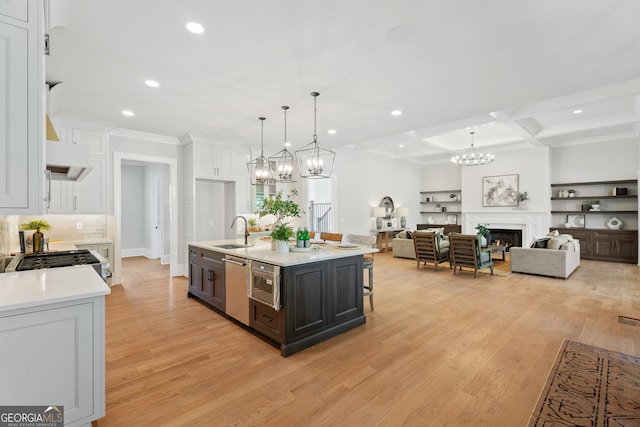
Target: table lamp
(402, 213)
(378, 213)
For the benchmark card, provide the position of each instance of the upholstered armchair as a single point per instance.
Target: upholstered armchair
(466, 252)
(428, 248)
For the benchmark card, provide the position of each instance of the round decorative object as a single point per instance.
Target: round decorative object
(387, 204)
(614, 223)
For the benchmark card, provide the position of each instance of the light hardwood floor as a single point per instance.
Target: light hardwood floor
(438, 350)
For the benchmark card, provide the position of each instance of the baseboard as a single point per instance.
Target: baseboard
(165, 259)
(126, 253)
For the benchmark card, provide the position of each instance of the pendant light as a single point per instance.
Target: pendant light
(314, 160)
(284, 170)
(472, 157)
(259, 168)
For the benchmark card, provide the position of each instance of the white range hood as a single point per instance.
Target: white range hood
(68, 162)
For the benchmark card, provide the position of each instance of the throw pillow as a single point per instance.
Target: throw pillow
(556, 242)
(554, 233)
(402, 234)
(540, 242)
(409, 235)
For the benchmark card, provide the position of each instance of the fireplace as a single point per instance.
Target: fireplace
(505, 237)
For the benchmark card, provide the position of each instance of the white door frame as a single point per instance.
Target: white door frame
(118, 157)
(156, 214)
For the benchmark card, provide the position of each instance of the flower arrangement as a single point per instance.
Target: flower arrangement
(523, 196)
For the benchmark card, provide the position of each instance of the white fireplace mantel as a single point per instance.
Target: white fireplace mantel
(531, 223)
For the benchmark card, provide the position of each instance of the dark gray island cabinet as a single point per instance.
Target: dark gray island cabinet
(320, 298)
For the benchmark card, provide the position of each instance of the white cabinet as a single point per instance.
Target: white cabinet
(17, 9)
(88, 196)
(97, 141)
(21, 88)
(55, 354)
(214, 162)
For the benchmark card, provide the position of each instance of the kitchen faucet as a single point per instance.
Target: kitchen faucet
(246, 228)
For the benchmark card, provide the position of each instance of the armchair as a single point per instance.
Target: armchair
(466, 252)
(428, 249)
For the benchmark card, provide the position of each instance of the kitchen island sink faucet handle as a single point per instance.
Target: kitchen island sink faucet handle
(246, 227)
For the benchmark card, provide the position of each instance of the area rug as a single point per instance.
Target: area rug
(590, 386)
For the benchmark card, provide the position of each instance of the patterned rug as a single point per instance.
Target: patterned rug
(590, 386)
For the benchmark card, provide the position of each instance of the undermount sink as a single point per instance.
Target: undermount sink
(231, 246)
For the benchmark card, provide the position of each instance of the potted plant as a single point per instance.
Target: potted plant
(35, 225)
(453, 197)
(595, 205)
(572, 193)
(281, 235)
(281, 208)
(483, 232)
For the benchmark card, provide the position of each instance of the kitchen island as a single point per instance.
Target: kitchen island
(52, 340)
(319, 291)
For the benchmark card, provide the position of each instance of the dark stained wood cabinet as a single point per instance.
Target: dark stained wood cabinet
(605, 245)
(206, 277)
(267, 321)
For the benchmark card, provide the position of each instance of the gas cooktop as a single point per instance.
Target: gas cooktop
(56, 259)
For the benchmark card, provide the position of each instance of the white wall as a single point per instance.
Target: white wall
(133, 208)
(363, 179)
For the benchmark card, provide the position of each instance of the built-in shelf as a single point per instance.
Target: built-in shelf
(440, 212)
(440, 201)
(629, 196)
(593, 212)
(582, 184)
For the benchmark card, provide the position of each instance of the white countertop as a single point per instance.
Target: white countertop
(23, 289)
(262, 252)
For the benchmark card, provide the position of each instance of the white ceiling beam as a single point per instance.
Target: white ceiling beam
(597, 139)
(452, 126)
(516, 127)
(616, 90)
(617, 120)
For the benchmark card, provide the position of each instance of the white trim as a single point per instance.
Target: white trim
(145, 136)
(531, 223)
(117, 207)
(127, 253)
(165, 259)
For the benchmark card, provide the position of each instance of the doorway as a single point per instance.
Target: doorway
(321, 203)
(161, 210)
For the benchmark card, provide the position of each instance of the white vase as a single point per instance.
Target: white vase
(282, 246)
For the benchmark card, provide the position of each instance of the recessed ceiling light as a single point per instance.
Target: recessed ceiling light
(396, 113)
(401, 146)
(128, 113)
(578, 111)
(195, 28)
(331, 131)
(287, 144)
(151, 83)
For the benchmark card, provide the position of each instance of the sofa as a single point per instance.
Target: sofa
(402, 244)
(554, 256)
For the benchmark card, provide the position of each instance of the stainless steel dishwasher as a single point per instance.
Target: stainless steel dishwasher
(236, 272)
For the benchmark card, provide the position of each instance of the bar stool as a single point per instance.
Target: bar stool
(367, 261)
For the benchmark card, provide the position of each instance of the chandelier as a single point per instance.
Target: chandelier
(314, 160)
(260, 168)
(472, 157)
(283, 159)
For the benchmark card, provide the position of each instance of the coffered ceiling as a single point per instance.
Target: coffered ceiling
(515, 72)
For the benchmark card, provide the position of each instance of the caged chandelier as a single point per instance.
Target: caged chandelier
(260, 167)
(472, 157)
(314, 160)
(283, 160)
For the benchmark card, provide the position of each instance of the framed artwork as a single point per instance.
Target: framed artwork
(501, 190)
(575, 221)
(451, 219)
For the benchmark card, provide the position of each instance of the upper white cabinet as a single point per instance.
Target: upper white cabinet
(21, 89)
(97, 141)
(17, 9)
(214, 162)
(88, 196)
